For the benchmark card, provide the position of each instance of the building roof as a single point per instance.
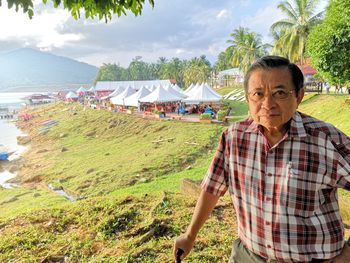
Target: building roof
(307, 69)
(231, 71)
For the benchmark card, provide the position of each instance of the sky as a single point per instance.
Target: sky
(173, 28)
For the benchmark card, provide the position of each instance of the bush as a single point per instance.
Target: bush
(221, 114)
(205, 116)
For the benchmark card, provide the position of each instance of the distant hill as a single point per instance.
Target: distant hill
(28, 68)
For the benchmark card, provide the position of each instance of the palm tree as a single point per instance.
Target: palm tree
(196, 70)
(292, 31)
(246, 48)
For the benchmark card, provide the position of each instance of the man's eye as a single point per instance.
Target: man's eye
(280, 93)
(258, 94)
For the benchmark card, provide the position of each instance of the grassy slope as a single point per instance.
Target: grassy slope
(130, 214)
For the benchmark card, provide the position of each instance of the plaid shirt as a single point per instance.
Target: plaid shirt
(285, 196)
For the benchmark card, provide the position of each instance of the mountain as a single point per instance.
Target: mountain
(27, 68)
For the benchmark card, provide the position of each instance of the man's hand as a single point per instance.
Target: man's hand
(185, 243)
(205, 205)
(344, 257)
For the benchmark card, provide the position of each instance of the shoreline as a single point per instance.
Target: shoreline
(9, 169)
(30, 161)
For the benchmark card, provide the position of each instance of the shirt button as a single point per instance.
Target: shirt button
(268, 199)
(269, 174)
(268, 246)
(271, 152)
(267, 223)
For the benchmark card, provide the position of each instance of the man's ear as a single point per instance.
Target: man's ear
(300, 95)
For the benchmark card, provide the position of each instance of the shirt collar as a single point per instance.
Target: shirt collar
(296, 128)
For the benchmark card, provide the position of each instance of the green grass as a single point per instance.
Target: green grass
(226, 90)
(132, 208)
(330, 108)
(27, 201)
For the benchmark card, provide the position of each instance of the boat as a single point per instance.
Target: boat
(4, 155)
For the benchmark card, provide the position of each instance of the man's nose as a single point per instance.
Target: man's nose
(268, 101)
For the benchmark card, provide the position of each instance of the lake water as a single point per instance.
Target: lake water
(9, 131)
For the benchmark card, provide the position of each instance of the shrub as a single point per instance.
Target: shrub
(221, 114)
(205, 116)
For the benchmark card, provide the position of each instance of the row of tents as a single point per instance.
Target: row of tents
(194, 94)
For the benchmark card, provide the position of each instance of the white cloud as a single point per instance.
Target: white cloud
(222, 14)
(180, 51)
(262, 20)
(42, 31)
(173, 28)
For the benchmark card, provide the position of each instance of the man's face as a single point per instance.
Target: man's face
(271, 98)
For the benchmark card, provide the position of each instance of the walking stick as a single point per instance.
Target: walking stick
(179, 253)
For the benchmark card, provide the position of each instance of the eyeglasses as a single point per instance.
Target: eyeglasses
(277, 94)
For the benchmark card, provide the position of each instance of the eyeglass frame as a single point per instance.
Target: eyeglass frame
(272, 94)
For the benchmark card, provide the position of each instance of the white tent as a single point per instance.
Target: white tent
(136, 84)
(152, 87)
(177, 88)
(115, 93)
(81, 90)
(133, 100)
(202, 94)
(71, 95)
(212, 90)
(175, 92)
(92, 89)
(160, 95)
(191, 88)
(119, 100)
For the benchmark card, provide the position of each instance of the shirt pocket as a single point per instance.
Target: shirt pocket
(301, 194)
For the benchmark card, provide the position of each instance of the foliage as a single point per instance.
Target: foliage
(111, 72)
(101, 9)
(117, 223)
(162, 69)
(172, 70)
(329, 43)
(291, 32)
(138, 69)
(246, 47)
(224, 60)
(221, 114)
(155, 111)
(205, 116)
(197, 70)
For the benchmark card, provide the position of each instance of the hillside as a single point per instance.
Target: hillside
(28, 68)
(126, 172)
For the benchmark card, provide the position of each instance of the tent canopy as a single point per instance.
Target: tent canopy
(133, 100)
(71, 95)
(177, 88)
(119, 99)
(203, 93)
(175, 92)
(160, 95)
(92, 89)
(115, 93)
(81, 90)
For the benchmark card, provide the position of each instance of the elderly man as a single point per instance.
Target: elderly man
(282, 169)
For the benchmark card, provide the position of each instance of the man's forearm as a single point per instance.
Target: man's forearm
(205, 205)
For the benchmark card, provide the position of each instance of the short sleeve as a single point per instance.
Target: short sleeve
(215, 180)
(343, 167)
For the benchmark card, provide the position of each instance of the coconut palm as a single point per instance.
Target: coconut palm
(196, 70)
(293, 30)
(246, 48)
